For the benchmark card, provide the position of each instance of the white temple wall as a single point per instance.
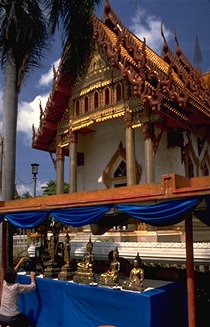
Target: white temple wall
(100, 146)
(168, 161)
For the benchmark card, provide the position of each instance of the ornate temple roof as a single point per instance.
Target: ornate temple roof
(168, 85)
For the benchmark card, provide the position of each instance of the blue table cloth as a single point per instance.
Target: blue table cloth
(59, 303)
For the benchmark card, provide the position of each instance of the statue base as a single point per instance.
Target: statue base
(84, 278)
(52, 270)
(66, 273)
(109, 282)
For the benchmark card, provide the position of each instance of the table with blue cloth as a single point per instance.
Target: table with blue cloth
(58, 303)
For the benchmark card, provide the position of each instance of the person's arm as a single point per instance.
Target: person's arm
(19, 263)
(32, 275)
(24, 288)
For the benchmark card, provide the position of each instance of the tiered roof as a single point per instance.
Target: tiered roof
(167, 85)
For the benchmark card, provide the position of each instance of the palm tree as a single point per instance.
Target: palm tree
(50, 188)
(23, 37)
(74, 19)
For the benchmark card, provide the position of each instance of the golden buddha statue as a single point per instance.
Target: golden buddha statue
(66, 271)
(52, 266)
(136, 278)
(67, 249)
(111, 276)
(84, 273)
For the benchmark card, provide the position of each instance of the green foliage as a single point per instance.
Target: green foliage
(50, 188)
(23, 34)
(23, 38)
(25, 195)
(74, 19)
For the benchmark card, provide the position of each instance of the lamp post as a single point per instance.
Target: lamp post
(35, 168)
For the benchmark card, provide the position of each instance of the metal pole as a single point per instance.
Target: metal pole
(4, 242)
(35, 179)
(191, 301)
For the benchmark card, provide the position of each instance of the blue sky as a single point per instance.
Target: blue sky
(189, 18)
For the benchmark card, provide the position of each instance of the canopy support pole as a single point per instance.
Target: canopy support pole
(191, 301)
(3, 249)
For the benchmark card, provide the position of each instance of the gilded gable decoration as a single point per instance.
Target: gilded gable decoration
(161, 83)
(169, 91)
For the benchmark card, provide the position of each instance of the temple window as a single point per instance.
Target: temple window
(119, 92)
(77, 108)
(121, 170)
(115, 173)
(120, 184)
(96, 100)
(86, 104)
(106, 96)
(119, 173)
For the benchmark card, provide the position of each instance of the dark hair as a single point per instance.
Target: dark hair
(10, 275)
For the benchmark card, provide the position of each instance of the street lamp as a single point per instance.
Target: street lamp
(35, 168)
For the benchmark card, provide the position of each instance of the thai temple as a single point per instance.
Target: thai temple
(133, 133)
(133, 117)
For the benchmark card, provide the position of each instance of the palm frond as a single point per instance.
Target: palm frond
(23, 32)
(75, 19)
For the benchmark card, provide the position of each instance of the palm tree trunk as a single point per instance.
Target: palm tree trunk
(10, 105)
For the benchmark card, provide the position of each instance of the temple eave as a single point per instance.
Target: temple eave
(171, 187)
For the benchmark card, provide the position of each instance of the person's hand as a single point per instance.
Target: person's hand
(19, 263)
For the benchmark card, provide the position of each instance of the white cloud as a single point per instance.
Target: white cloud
(23, 188)
(29, 113)
(149, 27)
(47, 78)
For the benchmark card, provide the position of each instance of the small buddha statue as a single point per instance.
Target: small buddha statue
(84, 273)
(136, 278)
(67, 249)
(52, 266)
(66, 271)
(52, 247)
(111, 276)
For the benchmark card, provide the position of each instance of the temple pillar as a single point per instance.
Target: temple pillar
(59, 170)
(130, 149)
(148, 132)
(73, 162)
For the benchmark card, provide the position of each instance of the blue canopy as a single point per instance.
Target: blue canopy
(162, 214)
